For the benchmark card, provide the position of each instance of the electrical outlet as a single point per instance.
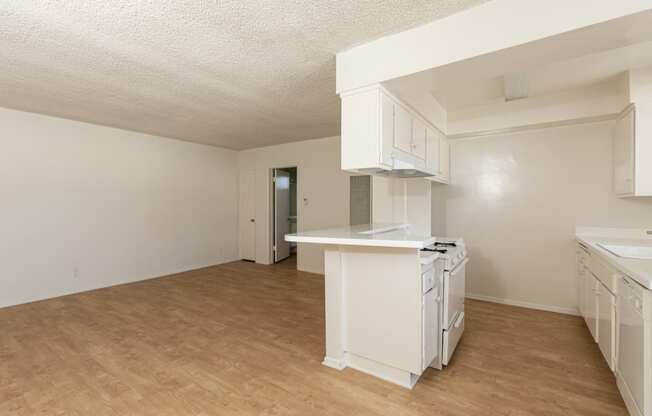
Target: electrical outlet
(75, 273)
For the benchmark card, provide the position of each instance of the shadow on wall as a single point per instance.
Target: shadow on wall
(482, 268)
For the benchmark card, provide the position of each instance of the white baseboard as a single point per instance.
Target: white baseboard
(529, 305)
(67, 291)
(628, 398)
(333, 363)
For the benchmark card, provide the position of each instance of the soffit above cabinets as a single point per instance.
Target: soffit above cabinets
(581, 72)
(524, 65)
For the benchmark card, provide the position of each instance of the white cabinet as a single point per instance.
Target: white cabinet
(402, 129)
(438, 156)
(634, 364)
(418, 138)
(591, 305)
(623, 153)
(606, 313)
(386, 139)
(618, 312)
(632, 151)
(582, 276)
(378, 130)
(430, 330)
(432, 151)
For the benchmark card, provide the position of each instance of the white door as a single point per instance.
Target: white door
(591, 305)
(247, 214)
(606, 324)
(281, 214)
(418, 139)
(631, 341)
(623, 147)
(582, 277)
(402, 129)
(432, 148)
(386, 129)
(431, 330)
(454, 293)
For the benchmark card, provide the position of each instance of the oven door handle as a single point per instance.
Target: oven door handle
(459, 266)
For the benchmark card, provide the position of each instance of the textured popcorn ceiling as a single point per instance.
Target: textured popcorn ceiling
(237, 74)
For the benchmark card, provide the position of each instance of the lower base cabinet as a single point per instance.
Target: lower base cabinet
(591, 305)
(619, 318)
(606, 323)
(634, 365)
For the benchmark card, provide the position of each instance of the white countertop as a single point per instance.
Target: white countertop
(375, 235)
(639, 270)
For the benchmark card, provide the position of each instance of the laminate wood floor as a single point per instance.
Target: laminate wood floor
(246, 339)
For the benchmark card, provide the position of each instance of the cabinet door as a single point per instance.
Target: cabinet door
(606, 324)
(418, 139)
(432, 151)
(402, 129)
(633, 362)
(430, 321)
(386, 129)
(623, 151)
(591, 305)
(444, 158)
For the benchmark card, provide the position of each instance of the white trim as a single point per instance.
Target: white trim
(127, 281)
(478, 134)
(385, 372)
(529, 305)
(333, 363)
(627, 396)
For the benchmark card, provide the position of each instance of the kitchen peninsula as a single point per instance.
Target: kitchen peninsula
(384, 309)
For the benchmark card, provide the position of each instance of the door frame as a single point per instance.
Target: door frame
(271, 207)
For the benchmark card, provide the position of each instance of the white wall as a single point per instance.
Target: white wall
(114, 205)
(516, 200)
(397, 200)
(320, 181)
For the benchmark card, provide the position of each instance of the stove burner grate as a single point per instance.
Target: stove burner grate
(445, 244)
(437, 250)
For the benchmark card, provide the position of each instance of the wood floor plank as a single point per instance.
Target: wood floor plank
(246, 339)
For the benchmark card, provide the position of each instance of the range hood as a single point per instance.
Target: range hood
(400, 169)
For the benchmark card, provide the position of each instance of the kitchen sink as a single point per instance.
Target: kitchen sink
(629, 251)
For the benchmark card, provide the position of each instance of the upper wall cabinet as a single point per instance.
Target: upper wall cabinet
(623, 153)
(378, 131)
(438, 159)
(632, 153)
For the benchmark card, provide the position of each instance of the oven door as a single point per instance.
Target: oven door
(454, 293)
(451, 337)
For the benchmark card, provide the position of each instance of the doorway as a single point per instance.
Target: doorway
(284, 195)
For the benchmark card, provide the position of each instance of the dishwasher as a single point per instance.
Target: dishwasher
(631, 353)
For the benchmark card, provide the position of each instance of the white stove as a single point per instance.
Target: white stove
(454, 257)
(453, 251)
